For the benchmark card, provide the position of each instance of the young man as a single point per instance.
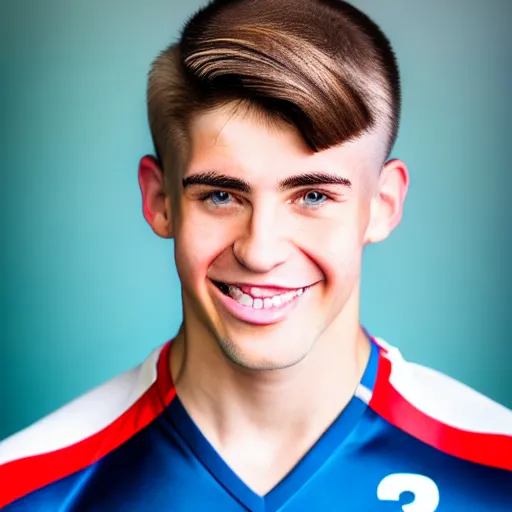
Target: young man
(272, 122)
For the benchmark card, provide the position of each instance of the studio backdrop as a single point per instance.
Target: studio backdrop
(87, 290)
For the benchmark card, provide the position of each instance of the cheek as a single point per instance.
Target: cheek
(198, 241)
(343, 253)
(336, 244)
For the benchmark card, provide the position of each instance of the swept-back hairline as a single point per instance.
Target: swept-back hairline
(169, 84)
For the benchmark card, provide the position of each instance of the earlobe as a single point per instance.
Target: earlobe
(387, 205)
(155, 201)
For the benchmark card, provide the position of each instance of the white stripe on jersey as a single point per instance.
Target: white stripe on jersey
(445, 399)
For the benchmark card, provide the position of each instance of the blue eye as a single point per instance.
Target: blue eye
(314, 198)
(220, 198)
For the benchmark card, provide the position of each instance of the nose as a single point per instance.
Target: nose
(263, 244)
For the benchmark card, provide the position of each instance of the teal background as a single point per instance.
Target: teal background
(87, 289)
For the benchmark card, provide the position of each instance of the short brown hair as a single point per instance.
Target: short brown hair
(321, 66)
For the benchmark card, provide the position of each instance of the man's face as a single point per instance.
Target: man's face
(269, 235)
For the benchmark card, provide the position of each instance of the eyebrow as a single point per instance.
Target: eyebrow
(215, 179)
(311, 179)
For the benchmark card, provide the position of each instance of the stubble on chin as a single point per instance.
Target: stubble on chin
(240, 358)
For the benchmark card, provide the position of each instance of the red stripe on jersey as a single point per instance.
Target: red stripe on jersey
(23, 476)
(487, 449)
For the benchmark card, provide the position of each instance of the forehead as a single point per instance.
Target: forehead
(245, 143)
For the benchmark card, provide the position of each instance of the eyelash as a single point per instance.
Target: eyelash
(207, 196)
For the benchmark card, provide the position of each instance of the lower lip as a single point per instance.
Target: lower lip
(256, 316)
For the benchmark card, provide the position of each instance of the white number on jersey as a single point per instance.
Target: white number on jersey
(425, 490)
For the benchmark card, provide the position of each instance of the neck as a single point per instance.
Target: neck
(225, 399)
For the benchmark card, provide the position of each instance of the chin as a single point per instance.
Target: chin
(264, 351)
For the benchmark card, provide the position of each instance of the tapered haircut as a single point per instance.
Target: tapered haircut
(321, 66)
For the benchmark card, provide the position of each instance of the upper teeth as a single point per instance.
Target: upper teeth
(260, 299)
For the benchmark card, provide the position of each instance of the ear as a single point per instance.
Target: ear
(156, 206)
(387, 204)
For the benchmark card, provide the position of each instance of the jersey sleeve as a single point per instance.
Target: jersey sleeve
(441, 411)
(85, 430)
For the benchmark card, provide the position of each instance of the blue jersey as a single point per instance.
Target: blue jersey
(410, 439)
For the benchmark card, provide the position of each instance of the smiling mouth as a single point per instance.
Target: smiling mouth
(259, 298)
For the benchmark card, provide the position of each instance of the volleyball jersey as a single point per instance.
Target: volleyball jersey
(410, 439)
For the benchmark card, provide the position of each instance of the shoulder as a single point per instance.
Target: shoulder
(441, 411)
(85, 430)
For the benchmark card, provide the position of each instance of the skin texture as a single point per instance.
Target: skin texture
(286, 381)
